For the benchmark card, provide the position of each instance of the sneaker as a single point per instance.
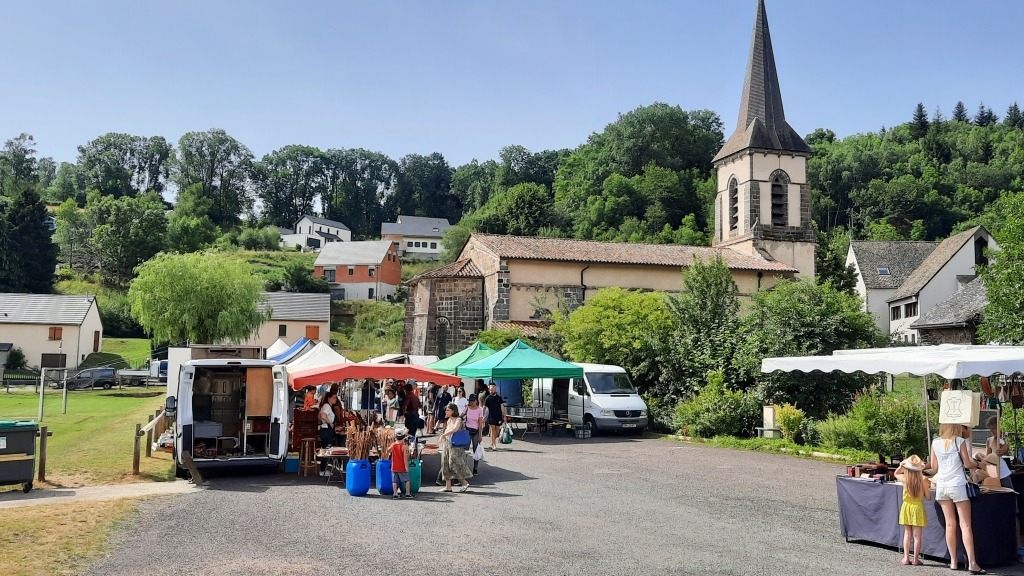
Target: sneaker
(395, 496)
(409, 495)
(325, 473)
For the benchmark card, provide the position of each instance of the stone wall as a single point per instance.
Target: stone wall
(936, 336)
(448, 320)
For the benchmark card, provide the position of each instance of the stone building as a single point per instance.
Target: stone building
(445, 310)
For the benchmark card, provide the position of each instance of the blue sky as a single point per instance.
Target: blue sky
(466, 78)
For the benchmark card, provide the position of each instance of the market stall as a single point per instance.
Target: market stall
(450, 365)
(359, 370)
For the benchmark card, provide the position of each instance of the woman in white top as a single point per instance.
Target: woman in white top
(461, 401)
(949, 456)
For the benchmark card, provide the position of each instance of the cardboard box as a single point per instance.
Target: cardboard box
(960, 407)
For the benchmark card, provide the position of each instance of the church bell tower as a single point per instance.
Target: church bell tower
(763, 204)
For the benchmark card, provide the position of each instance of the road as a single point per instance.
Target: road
(550, 506)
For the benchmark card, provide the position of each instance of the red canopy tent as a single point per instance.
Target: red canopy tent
(341, 372)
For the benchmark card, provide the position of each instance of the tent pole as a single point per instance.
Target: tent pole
(927, 415)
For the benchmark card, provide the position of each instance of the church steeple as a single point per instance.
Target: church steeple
(762, 121)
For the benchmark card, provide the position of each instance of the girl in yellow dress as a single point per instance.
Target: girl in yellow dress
(916, 489)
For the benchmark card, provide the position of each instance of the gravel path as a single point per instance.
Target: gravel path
(551, 506)
(18, 499)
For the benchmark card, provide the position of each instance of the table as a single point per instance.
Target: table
(537, 423)
(870, 510)
(335, 463)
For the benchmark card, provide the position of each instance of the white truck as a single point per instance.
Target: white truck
(604, 398)
(230, 412)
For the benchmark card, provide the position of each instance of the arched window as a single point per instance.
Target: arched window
(980, 245)
(780, 198)
(734, 204)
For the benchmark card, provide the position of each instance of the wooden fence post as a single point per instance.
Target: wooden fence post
(43, 434)
(135, 454)
(149, 440)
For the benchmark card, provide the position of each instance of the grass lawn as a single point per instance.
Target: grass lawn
(58, 538)
(92, 443)
(120, 353)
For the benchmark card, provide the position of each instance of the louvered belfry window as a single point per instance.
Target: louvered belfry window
(734, 205)
(780, 194)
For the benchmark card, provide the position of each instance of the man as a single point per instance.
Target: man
(411, 410)
(496, 414)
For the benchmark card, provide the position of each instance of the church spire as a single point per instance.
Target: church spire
(762, 121)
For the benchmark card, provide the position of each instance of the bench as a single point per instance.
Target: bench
(768, 432)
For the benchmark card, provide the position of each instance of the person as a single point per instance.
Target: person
(947, 460)
(410, 410)
(474, 424)
(1000, 448)
(400, 464)
(429, 407)
(453, 460)
(441, 403)
(309, 399)
(461, 401)
(390, 407)
(912, 515)
(328, 432)
(496, 414)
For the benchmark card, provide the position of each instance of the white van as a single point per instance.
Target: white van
(230, 413)
(605, 398)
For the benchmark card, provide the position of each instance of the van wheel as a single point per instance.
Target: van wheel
(180, 472)
(107, 385)
(593, 425)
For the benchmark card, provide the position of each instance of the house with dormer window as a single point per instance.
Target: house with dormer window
(881, 268)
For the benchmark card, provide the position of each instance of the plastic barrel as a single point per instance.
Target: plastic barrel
(415, 475)
(357, 477)
(384, 477)
(511, 391)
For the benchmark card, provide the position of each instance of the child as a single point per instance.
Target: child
(400, 465)
(916, 489)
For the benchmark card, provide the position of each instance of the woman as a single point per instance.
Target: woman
(949, 456)
(461, 401)
(440, 403)
(328, 431)
(429, 408)
(453, 460)
(474, 424)
(1000, 449)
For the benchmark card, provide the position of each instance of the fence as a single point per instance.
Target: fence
(157, 425)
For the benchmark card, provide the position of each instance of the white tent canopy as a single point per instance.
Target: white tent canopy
(947, 360)
(276, 348)
(316, 357)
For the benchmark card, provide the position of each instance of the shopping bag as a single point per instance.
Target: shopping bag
(478, 454)
(505, 437)
(461, 439)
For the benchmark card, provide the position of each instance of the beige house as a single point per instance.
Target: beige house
(293, 316)
(52, 330)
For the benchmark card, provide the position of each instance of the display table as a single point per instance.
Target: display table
(870, 511)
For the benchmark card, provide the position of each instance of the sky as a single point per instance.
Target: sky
(466, 78)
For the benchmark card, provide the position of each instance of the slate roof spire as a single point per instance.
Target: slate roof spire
(762, 121)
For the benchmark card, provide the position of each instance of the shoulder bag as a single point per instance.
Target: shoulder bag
(973, 490)
(461, 438)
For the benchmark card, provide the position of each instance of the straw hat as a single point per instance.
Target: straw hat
(992, 459)
(913, 463)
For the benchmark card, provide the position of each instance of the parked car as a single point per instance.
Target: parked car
(104, 378)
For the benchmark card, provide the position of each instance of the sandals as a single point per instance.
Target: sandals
(464, 487)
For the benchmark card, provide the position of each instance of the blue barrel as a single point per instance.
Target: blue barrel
(511, 391)
(384, 477)
(357, 477)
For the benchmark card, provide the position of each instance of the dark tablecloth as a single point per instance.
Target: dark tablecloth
(871, 510)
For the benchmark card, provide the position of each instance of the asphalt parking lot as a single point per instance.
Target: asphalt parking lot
(600, 506)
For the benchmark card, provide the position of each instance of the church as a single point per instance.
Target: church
(762, 232)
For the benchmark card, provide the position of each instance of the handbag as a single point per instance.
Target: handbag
(461, 439)
(973, 490)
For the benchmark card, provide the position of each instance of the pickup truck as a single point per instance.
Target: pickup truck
(133, 377)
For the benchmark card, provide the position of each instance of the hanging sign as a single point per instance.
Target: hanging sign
(960, 407)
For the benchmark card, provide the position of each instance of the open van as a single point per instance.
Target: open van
(604, 398)
(230, 413)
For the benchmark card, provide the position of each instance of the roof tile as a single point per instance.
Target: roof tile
(297, 306)
(61, 309)
(964, 306)
(900, 257)
(934, 262)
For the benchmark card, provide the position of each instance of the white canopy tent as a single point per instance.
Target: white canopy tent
(316, 357)
(276, 348)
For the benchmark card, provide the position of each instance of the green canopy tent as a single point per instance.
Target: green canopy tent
(475, 352)
(517, 361)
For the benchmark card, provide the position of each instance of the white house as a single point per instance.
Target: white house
(951, 266)
(293, 315)
(313, 232)
(416, 236)
(52, 330)
(881, 268)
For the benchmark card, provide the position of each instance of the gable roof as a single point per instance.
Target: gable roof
(963, 307)
(61, 309)
(934, 262)
(762, 120)
(459, 269)
(566, 250)
(323, 222)
(353, 253)
(297, 306)
(901, 257)
(416, 226)
(328, 236)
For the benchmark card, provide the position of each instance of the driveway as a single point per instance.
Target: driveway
(550, 506)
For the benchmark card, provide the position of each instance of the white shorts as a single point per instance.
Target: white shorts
(955, 493)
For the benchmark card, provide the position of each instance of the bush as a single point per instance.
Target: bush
(716, 411)
(809, 432)
(887, 425)
(841, 432)
(15, 360)
(260, 239)
(790, 417)
(660, 414)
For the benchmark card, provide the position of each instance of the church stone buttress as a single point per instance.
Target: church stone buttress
(763, 204)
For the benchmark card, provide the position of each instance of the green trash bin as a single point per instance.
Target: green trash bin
(415, 475)
(18, 452)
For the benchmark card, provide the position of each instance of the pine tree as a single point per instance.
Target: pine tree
(1014, 118)
(33, 255)
(960, 113)
(937, 117)
(919, 125)
(6, 277)
(985, 116)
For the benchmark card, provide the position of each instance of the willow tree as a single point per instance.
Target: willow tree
(198, 298)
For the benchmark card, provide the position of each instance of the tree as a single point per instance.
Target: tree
(960, 113)
(360, 181)
(125, 164)
(804, 318)
(32, 254)
(882, 230)
(68, 182)
(830, 261)
(919, 125)
(621, 327)
(199, 298)
(473, 184)
(984, 116)
(298, 277)
(74, 229)
(1014, 118)
(288, 182)
(189, 227)
(128, 231)
(219, 164)
(17, 164)
(267, 238)
(423, 188)
(1003, 319)
(454, 240)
